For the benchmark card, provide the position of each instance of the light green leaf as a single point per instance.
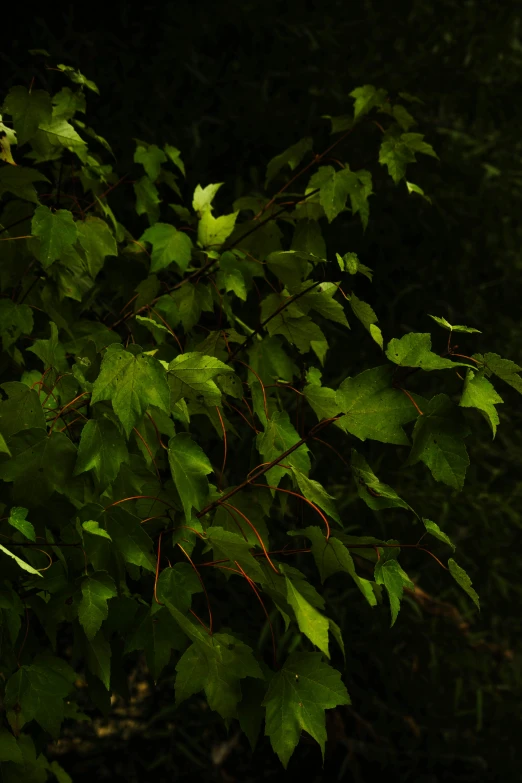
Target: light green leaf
(174, 155)
(97, 241)
(390, 574)
(505, 369)
(168, 246)
(310, 621)
(66, 103)
(17, 519)
(297, 699)
(233, 547)
(350, 263)
(57, 232)
(414, 350)
(132, 383)
(203, 198)
(28, 110)
(459, 328)
(97, 589)
(314, 491)
(291, 157)
(92, 526)
(397, 150)
(191, 375)
(19, 181)
(102, 449)
(375, 493)
(373, 408)
(462, 579)
(416, 189)
(212, 232)
(60, 133)
(438, 441)
(363, 312)
(78, 78)
(479, 393)
(366, 98)
(189, 466)
(435, 530)
(25, 566)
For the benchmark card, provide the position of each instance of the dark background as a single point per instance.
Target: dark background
(233, 84)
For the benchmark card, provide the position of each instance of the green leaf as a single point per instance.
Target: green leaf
(505, 369)
(37, 692)
(414, 350)
(17, 519)
(363, 312)
(78, 78)
(462, 579)
(132, 383)
(416, 189)
(233, 547)
(479, 393)
(291, 157)
(130, 538)
(98, 655)
(151, 157)
(174, 155)
(19, 181)
(278, 436)
(97, 241)
(21, 411)
(446, 325)
(9, 750)
(366, 98)
(216, 668)
(28, 110)
(390, 574)
(157, 635)
(189, 466)
(102, 449)
(373, 408)
(310, 621)
(438, 441)
(212, 232)
(93, 609)
(168, 246)
(51, 351)
(92, 526)
(397, 150)
(435, 530)
(23, 565)
(57, 232)
(40, 465)
(57, 134)
(297, 699)
(308, 238)
(314, 491)
(375, 493)
(332, 557)
(147, 199)
(191, 376)
(15, 320)
(203, 198)
(66, 103)
(177, 585)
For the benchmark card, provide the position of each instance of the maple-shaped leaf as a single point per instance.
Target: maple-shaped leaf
(399, 149)
(168, 246)
(479, 393)
(77, 77)
(28, 109)
(19, 181)
(174, 155)
(56, 230)
(311, 622)
(97, 241)
(389, 573)
(102, 449)
(191, 375)
(212, 231)
(375, 493)
(157, 634)
(66, 103)
(290, 267)
(130, 538)
(278, 436)
(291, 157)
(151, 157)
(438, 441)
(233, 547)
(40, 465)
(203, 197)
(17, 519)
(505, 369)
(56, 134)
(302, 332)
(350, 263)
(331, 557)
(297, 699)
(96, 589)
(217, 668)
(373, 408)
(132, 383)
(321, 399)
(177, 585)
(414, 350)
(462, 579)
(366, 98)
(189, 466)
(37, 692)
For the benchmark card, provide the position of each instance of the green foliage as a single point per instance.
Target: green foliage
(167, 407)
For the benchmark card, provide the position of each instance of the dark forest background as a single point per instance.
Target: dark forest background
(438, 697)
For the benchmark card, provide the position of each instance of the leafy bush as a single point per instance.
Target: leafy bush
(167, 402)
